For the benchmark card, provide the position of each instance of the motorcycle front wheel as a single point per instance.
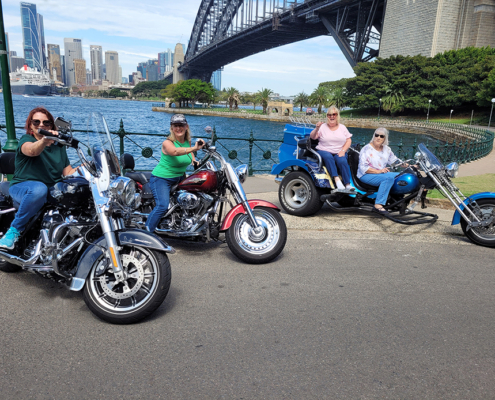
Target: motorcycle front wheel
(262, 247)
(148, 276)
(483, 236)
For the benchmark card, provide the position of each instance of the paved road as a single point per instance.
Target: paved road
(340, 315)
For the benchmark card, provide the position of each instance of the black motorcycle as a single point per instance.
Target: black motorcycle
(79, 237)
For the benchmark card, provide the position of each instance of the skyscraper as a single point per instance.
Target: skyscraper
(33, 37)
(216, 79)
(112, 63)
(54, 65)
(80, 71)
(73, 51)
(96, 53)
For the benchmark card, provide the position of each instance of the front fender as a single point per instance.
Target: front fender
(133, 237)
(484, 195)
(239, 209)
(278, 168)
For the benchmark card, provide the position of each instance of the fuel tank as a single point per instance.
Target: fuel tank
(71, 192)
(405, 183)
(201, 181)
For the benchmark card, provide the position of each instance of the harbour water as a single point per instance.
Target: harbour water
(138, 118)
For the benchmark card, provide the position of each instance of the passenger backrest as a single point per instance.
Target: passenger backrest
(127, 161)
(7, 163)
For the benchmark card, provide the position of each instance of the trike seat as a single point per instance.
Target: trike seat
(353, 159)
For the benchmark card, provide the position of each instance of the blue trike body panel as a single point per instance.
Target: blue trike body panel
(456, 219)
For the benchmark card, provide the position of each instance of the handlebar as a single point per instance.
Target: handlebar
(62, 136)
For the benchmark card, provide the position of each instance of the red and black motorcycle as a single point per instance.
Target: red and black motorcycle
(211, 201)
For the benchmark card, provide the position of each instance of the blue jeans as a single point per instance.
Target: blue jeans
(384, 183)
(336, 165)
(31, 195)
(160, 187)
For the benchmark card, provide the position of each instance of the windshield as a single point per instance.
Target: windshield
(431, 161)
(100, 142)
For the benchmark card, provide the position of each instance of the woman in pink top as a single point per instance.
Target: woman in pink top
(334, 140)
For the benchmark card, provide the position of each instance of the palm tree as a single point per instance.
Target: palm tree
(393, 99)
(263, 97)
(301, 99)
(337, 98)
(319, 97)
(232, 96)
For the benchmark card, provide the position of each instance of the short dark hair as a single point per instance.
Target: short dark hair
(30, 118)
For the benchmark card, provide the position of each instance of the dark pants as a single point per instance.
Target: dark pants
(336, 165)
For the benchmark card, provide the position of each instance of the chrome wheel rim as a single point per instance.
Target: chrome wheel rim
(141, 277)
(296, 193)
(257, 242)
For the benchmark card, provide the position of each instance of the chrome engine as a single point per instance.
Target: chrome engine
(186, 211)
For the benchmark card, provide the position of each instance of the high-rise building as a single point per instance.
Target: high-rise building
(89, 77)
(165, 62)
(62, 65)
(112, 64)
(33, 37)
(152, 70)
(96, 53)
(73, 51)
(16, 63)
(216, 79)
(54, 65)
(142, 66)
(80, 71)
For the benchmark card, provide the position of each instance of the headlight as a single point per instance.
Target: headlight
(123, 190)
(452, 169)
(242, 171)
(417, 156)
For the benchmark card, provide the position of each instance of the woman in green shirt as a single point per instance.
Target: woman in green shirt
(177, 155)
(39, 164)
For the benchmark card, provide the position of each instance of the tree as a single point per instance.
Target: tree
(232, 96)
(319, 97)
(302, 99)
(117, 93)
(263, 97)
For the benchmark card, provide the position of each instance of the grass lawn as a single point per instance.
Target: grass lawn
(470, 185)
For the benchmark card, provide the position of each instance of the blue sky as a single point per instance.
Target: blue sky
(139, 30)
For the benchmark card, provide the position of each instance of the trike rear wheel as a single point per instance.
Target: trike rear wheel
(299, 195)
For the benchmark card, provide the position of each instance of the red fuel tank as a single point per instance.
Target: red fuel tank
(201, 181)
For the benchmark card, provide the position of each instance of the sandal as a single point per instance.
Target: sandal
(381, 211)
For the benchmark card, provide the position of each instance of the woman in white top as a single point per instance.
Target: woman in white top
(373, 161)
(334, 140)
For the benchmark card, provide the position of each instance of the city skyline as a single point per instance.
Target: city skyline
(140, 36)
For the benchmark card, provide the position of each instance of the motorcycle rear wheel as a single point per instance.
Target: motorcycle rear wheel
(483, 236)
(147, 284)
(299, 195)
(257, 249)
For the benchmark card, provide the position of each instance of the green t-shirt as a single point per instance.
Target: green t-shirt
(173, 166)
(46, 168)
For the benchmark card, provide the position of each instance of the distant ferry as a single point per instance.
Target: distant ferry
(29, 81)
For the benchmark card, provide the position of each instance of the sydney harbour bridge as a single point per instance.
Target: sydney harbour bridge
(228, 30)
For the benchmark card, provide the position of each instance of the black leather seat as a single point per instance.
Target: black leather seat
(7, 167)
(304, 153)
(127, 161)
(353, 159)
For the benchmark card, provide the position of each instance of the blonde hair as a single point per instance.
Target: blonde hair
(334, 108)
(383, 131)
(187, 137)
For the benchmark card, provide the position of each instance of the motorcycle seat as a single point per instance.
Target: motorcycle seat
(142, 177)
(353, 159)
(4, 191)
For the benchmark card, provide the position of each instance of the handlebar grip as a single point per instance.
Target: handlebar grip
(45, 133)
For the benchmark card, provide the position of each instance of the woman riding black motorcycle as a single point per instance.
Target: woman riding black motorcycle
(39, 164)
(177, 155)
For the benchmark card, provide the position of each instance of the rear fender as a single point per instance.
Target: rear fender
(239, 209)
(456, 219)
(133, 237)
(279, 168)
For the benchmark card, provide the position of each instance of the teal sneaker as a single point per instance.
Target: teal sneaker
(9, 240)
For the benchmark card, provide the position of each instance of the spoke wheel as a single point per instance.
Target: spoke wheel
(147, 281)
(257, 247)
(299, 195)
(483, 236)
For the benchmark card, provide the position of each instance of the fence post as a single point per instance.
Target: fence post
(121, 133)
(250, 163)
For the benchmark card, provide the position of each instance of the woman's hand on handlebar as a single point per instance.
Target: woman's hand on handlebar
(46, 138)
(199, 145)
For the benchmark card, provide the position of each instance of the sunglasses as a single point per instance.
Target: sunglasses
(332, 115)
(381, 136)
(178, 125)
(37, 122)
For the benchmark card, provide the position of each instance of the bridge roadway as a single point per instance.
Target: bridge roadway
(355, 307)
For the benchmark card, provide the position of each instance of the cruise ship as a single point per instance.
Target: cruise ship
(29, 81)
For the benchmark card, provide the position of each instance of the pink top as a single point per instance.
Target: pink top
(332, 141)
